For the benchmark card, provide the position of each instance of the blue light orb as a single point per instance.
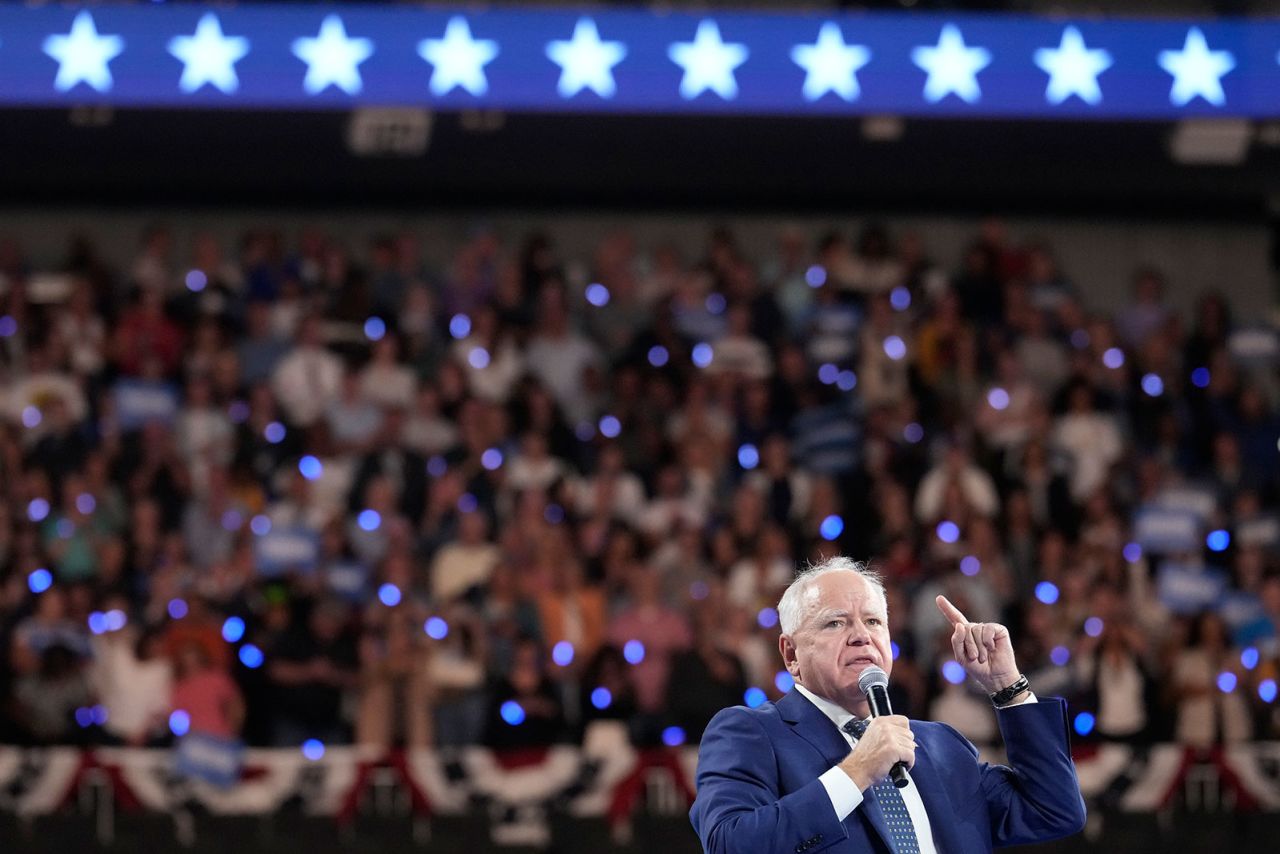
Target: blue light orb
(754, 697)
(553, 513)
(512, 712)
(1218, 540)
(831, 527)
(1200, 377)
(948, 531)
(437, 466)
(491, 459)
(177, 609)
(1060, 655)
(767, 618)
(116, 620)
(1227, 681)
(998, 398)
(633, 651)
(260, 525)
(98, 622)
(31, 417)
(610, 427)
(1267, 690)
(895, 348)
(84, 717)
(478, 358)
(375, 328)
(369, 520)
(232, 629)
(1152, 385)
(459, 326)
(673, 736)
(251, 657)
(1132, 552)
(562, 653)
(597, 294)
(815, 276)
(702, 354)
(389, 595)
(846, 381)
(179, 722)
(274, 432)
(953, 671)
(784, 681)
(1083, 723)
(658, 355)
(601, 698)
(39, 580)
(828, 373)
(970, 565)
(313, 749)
(436, 628)
(468, 503)
(310, 467)
(1249, 657)
(748, 456)
(37, 510)
(1047, 592)
(894, 650)
(86, 503)
(196, 280)
(913, 433)
(1093, 627)
(1113, 358)
(900, 298)
(715, 303)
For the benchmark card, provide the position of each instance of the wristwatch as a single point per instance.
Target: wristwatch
(999, 698)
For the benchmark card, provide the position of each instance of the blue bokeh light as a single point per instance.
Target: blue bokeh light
(1060, 655)
(828, 373)
(784, 681)
(1218, 540)
(748, 456)
(38, 510)
(846, 381)
(1200, 377)
(948, 531)
(310, 467)
(369, 520)
(702, 354)
(1132, 552)
(953, 671)
(1249, 657)
(491, 459)
(179, 722)
(601, 698)
(1047, 592)
(895, 348)
(39, 580)
(658, 356)
(715, 303)
(673, 736)
(197, 280)
(562, 653)
(767, 618)
(1113, 358)
(232, 629)
(375, 328)
(633, 651)
(1093, 627)
(478, 358)
(274, 432)
(1083, 723)
(1227, 681)
(512, 712)
(313, 749)
(970, 565)
(610, 426)
(597, 294)
(177, 609)
(754, 697)
(831, 527)
(815, 276)
(437, 628)
(913, 433)
(1152, 385)
(1267, 690)
(260, 525)
(251, 656)
(900, 298)
(460, 326)
(998, 398)
(389, 595)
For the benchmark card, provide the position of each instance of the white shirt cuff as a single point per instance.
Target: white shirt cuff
(843, 792)
(1030, 698)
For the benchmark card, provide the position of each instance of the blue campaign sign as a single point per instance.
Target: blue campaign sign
(140, 401)
(1185, 589)
(294, 549)
(207, 757)
(1166, 530)
(637, 61)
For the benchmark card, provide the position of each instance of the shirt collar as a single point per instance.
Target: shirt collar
(837, 714)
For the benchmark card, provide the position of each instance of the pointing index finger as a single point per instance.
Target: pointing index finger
(951, 612)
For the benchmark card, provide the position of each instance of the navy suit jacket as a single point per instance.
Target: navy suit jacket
(758, 787)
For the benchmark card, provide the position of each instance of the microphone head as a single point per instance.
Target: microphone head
(873, 677)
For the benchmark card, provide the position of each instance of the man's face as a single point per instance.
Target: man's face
(845, 629)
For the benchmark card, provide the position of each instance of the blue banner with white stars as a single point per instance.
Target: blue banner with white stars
(546, 60)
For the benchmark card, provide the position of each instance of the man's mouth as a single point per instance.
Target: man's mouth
(861, 659)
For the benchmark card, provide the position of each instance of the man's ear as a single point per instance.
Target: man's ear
(787, 647)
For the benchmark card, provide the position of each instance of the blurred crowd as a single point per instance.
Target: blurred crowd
(294, 489)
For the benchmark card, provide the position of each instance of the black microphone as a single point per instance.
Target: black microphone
(874, 683)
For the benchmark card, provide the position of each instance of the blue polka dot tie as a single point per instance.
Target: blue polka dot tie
(902, 833)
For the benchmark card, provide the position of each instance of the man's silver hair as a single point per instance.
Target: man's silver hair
(795, 601)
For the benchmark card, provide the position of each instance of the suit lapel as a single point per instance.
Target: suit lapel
(924, 775)
(816, 728)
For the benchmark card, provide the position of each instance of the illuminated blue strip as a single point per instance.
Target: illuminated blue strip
(326, 57)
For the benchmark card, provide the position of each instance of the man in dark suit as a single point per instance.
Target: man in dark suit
(808, 773)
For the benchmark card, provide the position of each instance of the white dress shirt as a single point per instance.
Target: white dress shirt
(844, 793)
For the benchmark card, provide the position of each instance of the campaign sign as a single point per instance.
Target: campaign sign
(1263, 531)
(1189, 589)
(140, 401)
(284, 549)
(1246, 618)
(215, 760)
(1163, 530)
(1198, 500)
(1255, 347)
(348, 580)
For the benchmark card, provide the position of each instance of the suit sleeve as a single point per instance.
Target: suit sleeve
(1037, 796)
(739, 809)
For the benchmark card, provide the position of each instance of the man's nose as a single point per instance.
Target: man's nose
(859, 634)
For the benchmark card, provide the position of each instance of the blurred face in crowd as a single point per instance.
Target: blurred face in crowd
(843, 631)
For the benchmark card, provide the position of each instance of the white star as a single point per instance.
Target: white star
(586, 62)
(708, 63)
(458, 59)
(83, 55)
(830, 64)
(1197, 70)
(209, 56)
(332, 59)
(952, 67)
(1073, 69)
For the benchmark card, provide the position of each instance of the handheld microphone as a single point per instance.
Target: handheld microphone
(874, 684)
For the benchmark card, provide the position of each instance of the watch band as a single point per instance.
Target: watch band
(999, 698)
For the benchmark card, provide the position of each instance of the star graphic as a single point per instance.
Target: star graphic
(952, 66)
(585, 61)
(332, 58)
(458, 59)
(209, 56)
(1196, 70)
(83, 55)
(830, 64)
(708, 63)
(1073, 69)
